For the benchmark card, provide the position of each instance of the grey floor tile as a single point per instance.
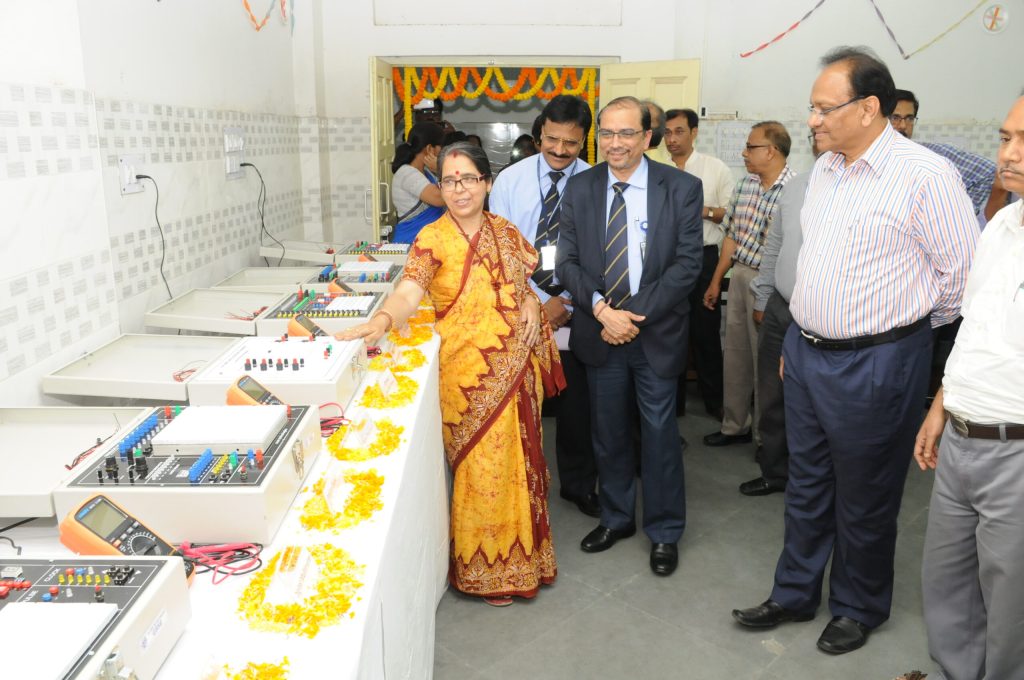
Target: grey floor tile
(610, 640)
(608, 616)
(447, 666)
(479, 635)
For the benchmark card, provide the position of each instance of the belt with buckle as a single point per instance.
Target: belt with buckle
(1002, 431)
(864, 340)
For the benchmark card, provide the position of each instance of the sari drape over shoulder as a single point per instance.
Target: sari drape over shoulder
(492, 385)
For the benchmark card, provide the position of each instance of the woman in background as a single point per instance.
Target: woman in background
(497, 361)
(414, 189)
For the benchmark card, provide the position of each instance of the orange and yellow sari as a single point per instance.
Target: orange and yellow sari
(492, 386)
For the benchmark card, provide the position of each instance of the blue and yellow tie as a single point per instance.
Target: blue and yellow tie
(616, 269)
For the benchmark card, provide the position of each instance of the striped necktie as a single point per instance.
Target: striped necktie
(547, 234)
(616, 268)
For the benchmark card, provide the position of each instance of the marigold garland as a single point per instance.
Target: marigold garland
(417, 335)
(385, 443)
(260, 671)
(333, 597)
(373, 396)
(411, 360)
(424, 315)
(452, 83)
(359, 506)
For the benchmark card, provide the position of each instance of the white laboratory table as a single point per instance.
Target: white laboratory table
(403, 547)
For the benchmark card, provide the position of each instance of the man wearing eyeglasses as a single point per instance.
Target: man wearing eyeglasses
(973, 561)
(889, 233)
(630, 252)
(529, 195)
(977, 172)
(746, 223)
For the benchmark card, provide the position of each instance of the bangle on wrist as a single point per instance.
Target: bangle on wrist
(389, 315)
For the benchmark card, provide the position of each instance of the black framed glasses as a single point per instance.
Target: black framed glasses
(466, 182)
(897, 118)
(821, 113)
(751, 147)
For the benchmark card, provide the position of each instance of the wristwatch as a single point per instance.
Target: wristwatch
(709, 213)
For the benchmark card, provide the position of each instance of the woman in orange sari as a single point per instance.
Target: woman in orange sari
(497, 360)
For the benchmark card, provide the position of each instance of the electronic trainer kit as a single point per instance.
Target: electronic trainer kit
(105, 618)
(333, 311)
(395, 252)
(205, 474)
(296, 370)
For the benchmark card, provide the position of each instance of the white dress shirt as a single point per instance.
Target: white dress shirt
(984, 381)
(719, 184)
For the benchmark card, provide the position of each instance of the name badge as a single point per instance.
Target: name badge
(547, 257)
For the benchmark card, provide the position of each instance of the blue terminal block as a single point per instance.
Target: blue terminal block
(199, 468)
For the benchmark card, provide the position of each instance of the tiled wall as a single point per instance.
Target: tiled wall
(45, 131)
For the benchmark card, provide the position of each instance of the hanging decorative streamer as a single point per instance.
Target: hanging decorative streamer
(451, 83)
(258, 24)
(780, 36)
(881, 18)
(931, 42)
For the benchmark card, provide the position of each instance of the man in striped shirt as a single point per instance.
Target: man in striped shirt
(746, 223)
(889, 233)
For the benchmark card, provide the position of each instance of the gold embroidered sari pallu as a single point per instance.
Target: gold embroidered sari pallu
(491, 386)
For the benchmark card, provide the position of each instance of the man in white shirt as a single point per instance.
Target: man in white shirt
(705, 324)
(974, 548)
(529, 195)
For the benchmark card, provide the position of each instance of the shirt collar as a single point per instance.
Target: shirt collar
(638, 179)
(876, 155)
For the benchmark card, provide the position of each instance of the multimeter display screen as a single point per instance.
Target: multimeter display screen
(103, 519)
(252, 388)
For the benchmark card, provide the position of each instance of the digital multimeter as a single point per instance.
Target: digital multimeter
(102, 527)
(247, 392)
(302, 326)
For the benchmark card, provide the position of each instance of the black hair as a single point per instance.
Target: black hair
(692, 119)
(869, 76)
(420, 136)
(475, 139)
(523, 147)
(776, 133)
(565, 108)
(907, 96)
(474, 153)
(538, 123)
(625, 102)
(454, 136)
(657, 124)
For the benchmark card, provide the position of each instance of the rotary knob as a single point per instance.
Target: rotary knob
(143, 543)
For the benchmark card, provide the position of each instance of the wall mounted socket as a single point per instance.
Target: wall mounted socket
(234, 152)
(128, 168)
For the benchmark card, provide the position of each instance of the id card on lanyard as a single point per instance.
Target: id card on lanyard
(547, 252)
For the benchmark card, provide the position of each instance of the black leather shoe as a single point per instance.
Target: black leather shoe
(602, 538)
(588, 505)
(719, 439)
(664, 558)
(842, 635)
(761, 487)
(768, 614)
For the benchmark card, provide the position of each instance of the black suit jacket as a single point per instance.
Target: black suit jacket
(675, 244)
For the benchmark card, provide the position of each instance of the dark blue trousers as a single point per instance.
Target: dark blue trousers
(851, 420)
(664, 497)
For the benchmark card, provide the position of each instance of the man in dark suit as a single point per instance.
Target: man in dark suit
(629, 253)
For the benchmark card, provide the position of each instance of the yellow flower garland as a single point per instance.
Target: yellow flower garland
(373, 397)
(384, 444)
(259, 671)
(411, 360)
(422, 316)
(333, 597)
(359, 506)
(418, 334)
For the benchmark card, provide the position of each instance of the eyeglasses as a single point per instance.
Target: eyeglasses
(824, 112)
(897, 118)
(569, 144)
(466, 182)
(626, 134)
(751, 147)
